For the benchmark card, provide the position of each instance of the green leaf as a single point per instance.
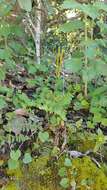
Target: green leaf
(90, 10)
(15, 155)
(27, 158)
(25, 4)
(90, 125)
(71, 5)
(74, 65)
(64, 182)
(5, 29)
(71, 26)
(91, 52)
(100, 5)
(85, 104)
(2, 73)
(5, 54)
(13, 164)
(6, 7)
(2, 102)
(104, 121)
(79, 123)
(43, 136)
(97, 118)
(67, 162)
(62, 172)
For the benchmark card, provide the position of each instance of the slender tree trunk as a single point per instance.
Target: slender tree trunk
(38, 31)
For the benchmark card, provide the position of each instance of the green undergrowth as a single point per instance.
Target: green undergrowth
(58, 105)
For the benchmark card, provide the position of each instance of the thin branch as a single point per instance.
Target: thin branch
(31, 31)
(31, 22)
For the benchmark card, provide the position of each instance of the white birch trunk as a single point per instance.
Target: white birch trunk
(38, 32)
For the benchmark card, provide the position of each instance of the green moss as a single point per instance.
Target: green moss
(42, 174)
(11, 186)
(39, 175)
(88, 174)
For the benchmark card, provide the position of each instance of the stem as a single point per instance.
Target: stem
(86, 59)
(5, 41)
(91, 33)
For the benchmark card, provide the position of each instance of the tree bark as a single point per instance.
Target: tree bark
(38, 31)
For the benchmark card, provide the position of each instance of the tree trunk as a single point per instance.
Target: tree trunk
(38, 31)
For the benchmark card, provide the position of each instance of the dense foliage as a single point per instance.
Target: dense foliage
(53, 93)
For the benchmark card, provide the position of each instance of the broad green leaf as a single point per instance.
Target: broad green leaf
(101, 67)
(103, 28)
(72, 26)
(2, 102)
(55, 151)
(43, 136)
(70, 4)
(15, 155)
(27, 158)
(10, 64)
(5, 54)
(104, 121)
(100, 5)
(85, 104)
(50, 8)
(91, 52)
(73, 65)
(99, 90)
(5, 29)
(67, 162)
(90, 125)
(5, 7)
(97, 118)
(25, 4)
(64, 182)
(62, 172)
(90, 10)
(13, 164)
(84, 182)
(90, 73)
(17, 31)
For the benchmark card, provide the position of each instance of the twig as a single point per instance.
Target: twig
(30, 22)
(65, 139)
(31, 31)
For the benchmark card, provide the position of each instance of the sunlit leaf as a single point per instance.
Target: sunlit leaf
(27, 158)
(15, 155)
(70, 4)
(64, 182)
(72, 26)
(25, 4)
(74, 64)
(67, 162)
(43, 136)
(13, 164)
